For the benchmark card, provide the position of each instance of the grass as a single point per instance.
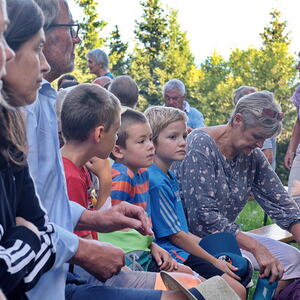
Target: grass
(251, 217)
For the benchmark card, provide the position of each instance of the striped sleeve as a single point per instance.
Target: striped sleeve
(18, 249)
(163, 212)
(30, 208)
(121, 188)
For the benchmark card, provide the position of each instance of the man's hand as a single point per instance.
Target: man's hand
(268, 264)
(102, 260)
(163, 258)
(118, 217)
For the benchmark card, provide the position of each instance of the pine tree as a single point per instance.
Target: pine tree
(90, 30)
(151, 35)
(118, 53)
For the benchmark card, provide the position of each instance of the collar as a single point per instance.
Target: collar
(186, 106)
(46, 89)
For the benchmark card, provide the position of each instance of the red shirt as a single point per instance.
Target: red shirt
(79, 187)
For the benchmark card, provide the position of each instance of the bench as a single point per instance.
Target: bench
(274, 232)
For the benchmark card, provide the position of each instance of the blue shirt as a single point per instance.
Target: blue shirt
(195, 117)
(47, 171)
(167, 212)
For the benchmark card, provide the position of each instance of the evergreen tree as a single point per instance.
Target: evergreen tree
(118, 53)
(151, 35)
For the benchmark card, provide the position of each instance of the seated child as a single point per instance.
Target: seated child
(133, 152)
(94, 136)
(169, 221)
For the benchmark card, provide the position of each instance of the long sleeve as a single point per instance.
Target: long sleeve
(18, 249)
(30, 208)
(272, 196)
(199, 181)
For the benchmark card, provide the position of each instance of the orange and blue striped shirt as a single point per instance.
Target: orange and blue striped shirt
(131, 187)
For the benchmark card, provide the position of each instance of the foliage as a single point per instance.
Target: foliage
(118, 53)
(90, 29)
(162, 52)
(146, 62)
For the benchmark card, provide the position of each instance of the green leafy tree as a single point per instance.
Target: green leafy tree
(90, 30)
(118, 57)
(162, 52)
(271, 67)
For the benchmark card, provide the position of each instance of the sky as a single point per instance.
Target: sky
(220, 25)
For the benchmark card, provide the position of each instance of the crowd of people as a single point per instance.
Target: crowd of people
(100, 200)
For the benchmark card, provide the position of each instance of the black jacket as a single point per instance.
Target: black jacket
(23, 256)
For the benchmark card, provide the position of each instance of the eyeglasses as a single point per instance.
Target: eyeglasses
(74, 28)
(175, 98)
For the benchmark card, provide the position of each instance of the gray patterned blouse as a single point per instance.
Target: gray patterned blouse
(215, 189)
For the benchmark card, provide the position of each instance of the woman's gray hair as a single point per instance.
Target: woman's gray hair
(242, 91)
(99, 57)
(50, 10)
(174, 84)
(260, 110)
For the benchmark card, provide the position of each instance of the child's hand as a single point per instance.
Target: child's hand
(227, 268)
(163, 259)
(98, 166)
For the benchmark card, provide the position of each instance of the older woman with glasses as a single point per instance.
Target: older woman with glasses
(222, 166)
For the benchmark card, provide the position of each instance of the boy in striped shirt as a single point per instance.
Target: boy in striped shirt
(133, 153)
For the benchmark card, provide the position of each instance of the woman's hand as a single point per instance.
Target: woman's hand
(268, 263)
(227, 268)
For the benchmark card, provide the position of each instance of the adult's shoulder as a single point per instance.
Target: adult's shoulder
(195, 111)
(200, 137)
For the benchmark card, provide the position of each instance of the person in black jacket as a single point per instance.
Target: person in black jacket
(26, 237)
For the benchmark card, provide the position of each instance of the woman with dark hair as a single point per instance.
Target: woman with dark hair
(26, 237)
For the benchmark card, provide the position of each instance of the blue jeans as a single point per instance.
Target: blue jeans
(77, 289)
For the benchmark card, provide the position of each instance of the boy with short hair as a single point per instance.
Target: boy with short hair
(94, 113)
(168, 218)
(133, 153)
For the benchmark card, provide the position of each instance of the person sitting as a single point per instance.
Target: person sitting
(126, 90)
(174, 95)
(222, 166)
(27, 239)
(98, 63)
(85, 140)
(269, 146)
(169, 222)
(133, 153)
